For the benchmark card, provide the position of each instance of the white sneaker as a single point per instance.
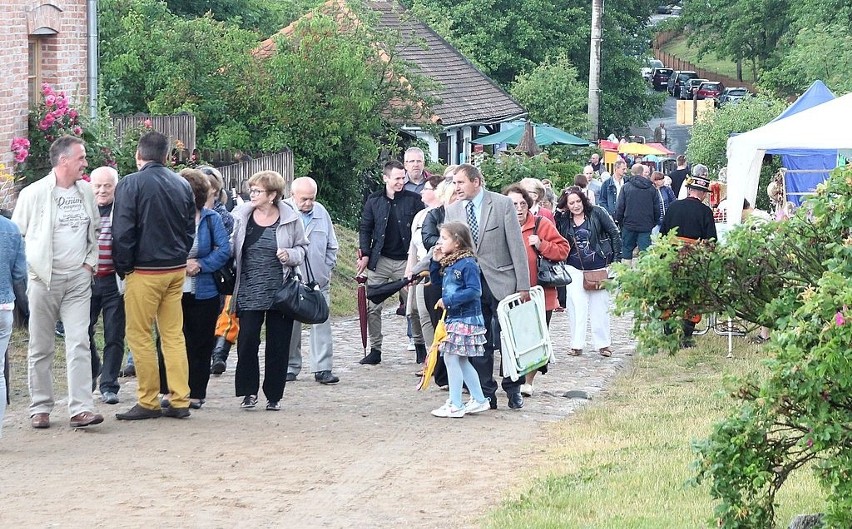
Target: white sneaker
(527, 390)
(448, 410)
(476, 407)
(411, 345)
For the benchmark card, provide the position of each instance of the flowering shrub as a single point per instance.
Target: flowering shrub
(50, 119)
(792, 276)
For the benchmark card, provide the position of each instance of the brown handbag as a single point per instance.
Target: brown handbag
(595, 279)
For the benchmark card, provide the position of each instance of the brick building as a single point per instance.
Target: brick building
(43, 41)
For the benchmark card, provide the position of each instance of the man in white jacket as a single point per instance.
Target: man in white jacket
(58, 218)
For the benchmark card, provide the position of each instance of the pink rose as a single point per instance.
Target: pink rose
(72, 114)
(50, 100)
(61, 102)
(839, 319)
(43, 125)
(46, 89)
(77, 131)
(147, 124)
(21, 156)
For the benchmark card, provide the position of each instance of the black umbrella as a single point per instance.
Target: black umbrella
(379, 293)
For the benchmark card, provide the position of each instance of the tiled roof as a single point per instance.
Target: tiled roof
(467, 96)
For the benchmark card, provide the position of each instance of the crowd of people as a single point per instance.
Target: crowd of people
(145, 254)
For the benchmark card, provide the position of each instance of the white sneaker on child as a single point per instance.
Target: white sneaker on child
(475, 407)
(448, 410)
(527, 390)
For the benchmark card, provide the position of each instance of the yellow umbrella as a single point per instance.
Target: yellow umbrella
(432, 356)
(642, 149)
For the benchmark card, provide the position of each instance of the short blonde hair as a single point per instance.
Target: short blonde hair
(533, 185)
(445, 191)
(271, 181)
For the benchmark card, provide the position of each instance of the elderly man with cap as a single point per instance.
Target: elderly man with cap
(692, 220)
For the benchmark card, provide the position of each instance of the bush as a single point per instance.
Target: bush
(792, 276)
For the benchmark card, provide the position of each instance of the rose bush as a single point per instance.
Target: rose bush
(792, 276)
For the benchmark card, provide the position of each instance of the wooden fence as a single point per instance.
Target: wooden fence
(176, 127)
(236, 174)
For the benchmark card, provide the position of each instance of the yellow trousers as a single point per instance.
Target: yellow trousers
(151, 298)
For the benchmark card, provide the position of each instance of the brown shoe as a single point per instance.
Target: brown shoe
(606, 351)
(575, 352)
(40, 420)
(86, 418)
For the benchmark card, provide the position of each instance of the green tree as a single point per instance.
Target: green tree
(740, 30)
(261, 16)
(506, 39)
(552, 94)
(798, 68)
(333, 95)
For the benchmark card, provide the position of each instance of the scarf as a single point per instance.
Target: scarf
(449, 260)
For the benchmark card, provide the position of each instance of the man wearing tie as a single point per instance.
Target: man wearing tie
(502, 259)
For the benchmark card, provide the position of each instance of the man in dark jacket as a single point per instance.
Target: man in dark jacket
(692, 220)
(153, 229)
(384, 236)
(637, 212)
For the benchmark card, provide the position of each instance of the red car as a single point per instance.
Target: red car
(710, 90)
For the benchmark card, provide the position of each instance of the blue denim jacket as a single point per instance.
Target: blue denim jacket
(13, 261)
(214, 249)
(461, 290)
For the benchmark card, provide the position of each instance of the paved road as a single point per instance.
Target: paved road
(678, 135)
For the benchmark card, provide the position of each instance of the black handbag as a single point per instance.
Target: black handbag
(550, 273)
(301, 301)
(225, 278)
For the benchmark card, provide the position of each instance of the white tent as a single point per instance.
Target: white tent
(824, 126)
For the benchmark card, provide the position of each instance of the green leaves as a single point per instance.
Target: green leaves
(800, 409)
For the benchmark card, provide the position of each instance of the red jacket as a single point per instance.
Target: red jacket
(553, 246)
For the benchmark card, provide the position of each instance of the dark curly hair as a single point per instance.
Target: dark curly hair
(575, 190)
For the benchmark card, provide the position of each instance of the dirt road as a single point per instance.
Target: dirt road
(364, 453)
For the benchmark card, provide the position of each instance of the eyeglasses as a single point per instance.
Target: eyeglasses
(255, 192)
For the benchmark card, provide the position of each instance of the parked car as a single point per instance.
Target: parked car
(733, 95)
(688, 89)
(677, 79)
(660, 78)
(650, 66)
(710, 90)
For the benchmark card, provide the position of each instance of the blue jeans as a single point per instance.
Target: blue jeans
(630, 239)
(6, 319)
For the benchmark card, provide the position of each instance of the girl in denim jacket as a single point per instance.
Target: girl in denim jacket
(454, 265)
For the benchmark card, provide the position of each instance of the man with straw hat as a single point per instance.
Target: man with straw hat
(693, 221)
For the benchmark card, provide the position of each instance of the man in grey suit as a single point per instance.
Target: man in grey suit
(502, 258)
(322, 257)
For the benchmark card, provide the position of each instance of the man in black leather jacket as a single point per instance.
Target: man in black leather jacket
(384, 236)
(153, 230)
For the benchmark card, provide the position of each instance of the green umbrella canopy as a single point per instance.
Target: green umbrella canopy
(544, 135)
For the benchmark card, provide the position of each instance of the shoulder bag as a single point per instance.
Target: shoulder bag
(301, 301)
(592, 279)
(225, 278)
(550, 273)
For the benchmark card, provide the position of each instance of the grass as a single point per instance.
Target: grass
(625, 461)
(679, 48)
(343, 287)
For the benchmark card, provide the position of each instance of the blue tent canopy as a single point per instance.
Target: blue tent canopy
(795, 160)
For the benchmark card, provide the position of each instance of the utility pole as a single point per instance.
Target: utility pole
(595, 67)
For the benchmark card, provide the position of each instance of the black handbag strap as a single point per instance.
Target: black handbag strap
(310, 273)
